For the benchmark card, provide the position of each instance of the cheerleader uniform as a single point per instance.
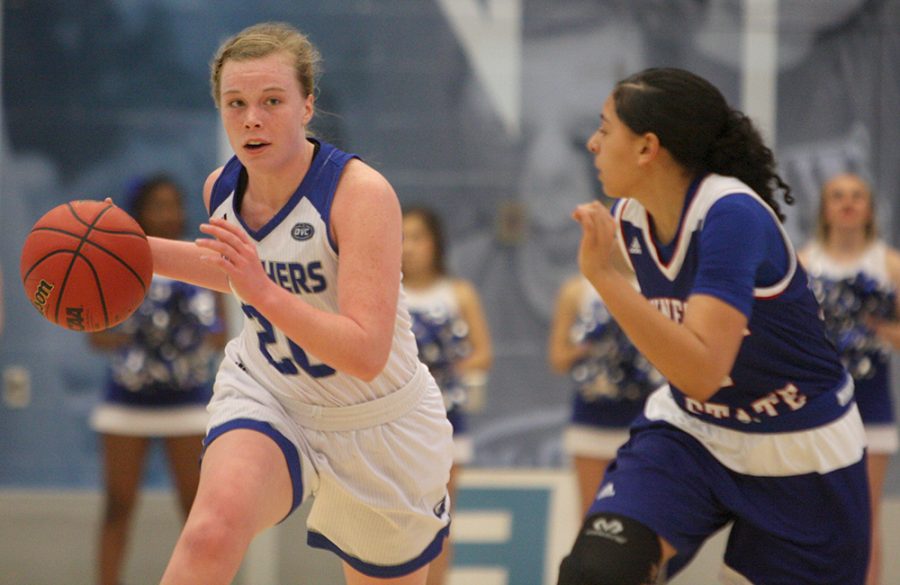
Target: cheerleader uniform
(849, 292)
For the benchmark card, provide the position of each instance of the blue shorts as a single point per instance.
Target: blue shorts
(605, 414)
(810, 529)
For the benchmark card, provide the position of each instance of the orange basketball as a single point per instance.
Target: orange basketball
(86, 265)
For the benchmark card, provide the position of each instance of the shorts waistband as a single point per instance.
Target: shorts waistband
(820, 410)
(822, 449)
(364, 415)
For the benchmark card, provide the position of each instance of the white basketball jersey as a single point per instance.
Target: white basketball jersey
(297, 252)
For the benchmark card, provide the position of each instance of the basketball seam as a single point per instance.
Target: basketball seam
(98, 246)
(115, 250)
(77, 254)
(121, 261)
(37, 262)
(99, 287)
(100, 230)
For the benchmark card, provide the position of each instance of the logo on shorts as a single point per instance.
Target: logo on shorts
(607, 528)
(302, 231)
(440, 508)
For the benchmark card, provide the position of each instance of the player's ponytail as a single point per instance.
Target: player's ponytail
(695, 124)
(738, 151)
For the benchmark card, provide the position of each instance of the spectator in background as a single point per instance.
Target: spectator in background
(611, 380)
(159, 380)
(855, 276)
(452, 335)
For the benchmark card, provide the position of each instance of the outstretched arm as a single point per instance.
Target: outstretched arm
(185, 261)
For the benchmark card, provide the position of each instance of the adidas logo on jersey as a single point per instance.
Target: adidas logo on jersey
(635, 247)
(608, 491)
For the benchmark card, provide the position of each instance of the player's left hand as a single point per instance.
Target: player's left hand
(236, 256)
(598, 236)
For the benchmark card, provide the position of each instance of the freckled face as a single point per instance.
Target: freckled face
(615, 148)
(264, 110)
(847, 203)
(418, 247)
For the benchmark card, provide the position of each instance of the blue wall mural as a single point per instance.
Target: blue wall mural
(479, 108)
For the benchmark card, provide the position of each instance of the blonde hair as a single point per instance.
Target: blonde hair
(261, 40)
(822, 227)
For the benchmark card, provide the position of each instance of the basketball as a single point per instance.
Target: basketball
(86, 265)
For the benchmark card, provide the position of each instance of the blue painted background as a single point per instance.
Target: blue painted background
(97, 92)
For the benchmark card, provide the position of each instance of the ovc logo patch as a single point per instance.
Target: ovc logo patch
(302, 231)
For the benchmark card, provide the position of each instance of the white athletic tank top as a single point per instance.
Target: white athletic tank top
(296, 251)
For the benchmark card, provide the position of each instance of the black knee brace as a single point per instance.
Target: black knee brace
(612, 550)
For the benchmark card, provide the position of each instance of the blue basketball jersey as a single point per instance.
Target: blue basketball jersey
(779, 450)
(730, 245)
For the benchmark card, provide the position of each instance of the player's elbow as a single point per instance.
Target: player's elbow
(369, 364)
(699, 393)
(701, 376)
(368, 374)
(700, 388)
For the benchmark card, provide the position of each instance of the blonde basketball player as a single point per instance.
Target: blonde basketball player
(322, 393)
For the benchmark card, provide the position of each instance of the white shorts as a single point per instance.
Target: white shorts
(141, 421)
(594, 442)
(378, 471)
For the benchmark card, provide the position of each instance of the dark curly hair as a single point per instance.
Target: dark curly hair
(696, 125)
